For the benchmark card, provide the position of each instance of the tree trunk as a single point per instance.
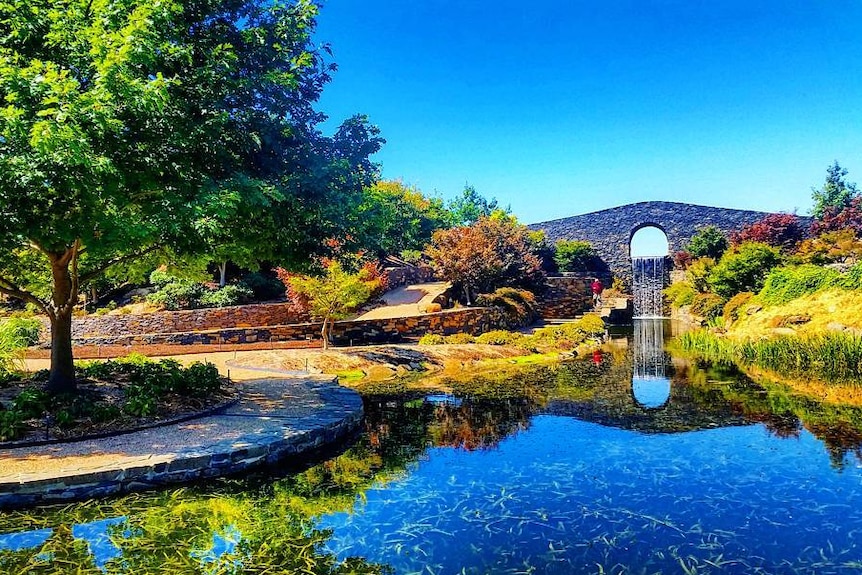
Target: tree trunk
(63, 299)
(62, 377)
(222, 270)
(324, 333)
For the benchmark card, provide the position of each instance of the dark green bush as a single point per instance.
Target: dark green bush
(178, 294)
(709, 242)
(573, 255)
(264, 287)
(743, 268)
(788, 283)
(11, 425)
(31, 403)
(233, 294)
(707, 305)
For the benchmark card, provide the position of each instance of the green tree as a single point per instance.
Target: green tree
(471, 205)
(334, 295)
(836, 192)
(573, 255)
(708, 242)
(743, 268)
(119, 119)
(394, 217)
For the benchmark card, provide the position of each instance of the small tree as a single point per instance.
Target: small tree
(782, 231)
(836, 218)
(708, 242)
(743, 268)
(836, 192)
(573, 255)
(493, 252)
(334, 295)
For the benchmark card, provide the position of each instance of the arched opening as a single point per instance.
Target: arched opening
(649, 248)
(648, 241)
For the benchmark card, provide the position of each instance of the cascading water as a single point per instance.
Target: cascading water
(647, 283)
(649, 354)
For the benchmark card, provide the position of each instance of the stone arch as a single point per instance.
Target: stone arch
(644, 226)
(610, 231)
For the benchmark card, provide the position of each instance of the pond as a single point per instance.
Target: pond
(627, 461)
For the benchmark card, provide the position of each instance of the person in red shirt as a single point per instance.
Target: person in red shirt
(597, 289)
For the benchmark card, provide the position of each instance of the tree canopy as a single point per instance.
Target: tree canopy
(124, 122)
(835, 194)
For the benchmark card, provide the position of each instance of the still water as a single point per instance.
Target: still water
(630, 461)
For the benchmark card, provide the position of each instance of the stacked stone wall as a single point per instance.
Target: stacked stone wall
(468, 320)
(255, 315)
(610, 231)
(397, 277)
(567, 296)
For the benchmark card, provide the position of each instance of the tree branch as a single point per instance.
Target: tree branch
(84, 278)
(10, 289)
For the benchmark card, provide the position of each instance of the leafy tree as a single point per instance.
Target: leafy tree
(836, 193)
(492, 253)
(393, 218)
(782, 231)
(334, 295)
(470, 206)
(836, 218)
(709, 242)
(837, 246)
(573, 255)
(120, 119)
(743, 268)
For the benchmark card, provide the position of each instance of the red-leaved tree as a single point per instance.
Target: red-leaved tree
(840, 218)
(778, 230)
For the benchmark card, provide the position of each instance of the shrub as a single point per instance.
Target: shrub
(573, 255)
(707, 305)
(679, 294)
(233, 294)
(499, 337)
(178, 294)
(263, 286)
(835, 246)
(836, 218)
(788, 283)
(708, 242)
(591, 324)
(31, 403)
(734, 305)
(743, 268)
(460, 338)
(27, 329)
(782, 231)
(698, 272)
(432, 339)
(853, 278)
(11, 425)
(519, 304)
(413, 257)
(12, 343)
(681, 260)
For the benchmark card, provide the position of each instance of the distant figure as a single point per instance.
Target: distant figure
(597, 357)
(597, 288)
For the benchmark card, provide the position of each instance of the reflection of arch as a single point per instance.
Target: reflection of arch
(651, 392)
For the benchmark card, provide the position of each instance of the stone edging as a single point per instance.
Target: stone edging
(315, 413)
(105, 434)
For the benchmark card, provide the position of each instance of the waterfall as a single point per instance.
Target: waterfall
(647, 283)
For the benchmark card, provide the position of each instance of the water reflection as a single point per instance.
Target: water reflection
(566, 469)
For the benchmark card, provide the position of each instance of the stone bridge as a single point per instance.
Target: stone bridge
(610, 231)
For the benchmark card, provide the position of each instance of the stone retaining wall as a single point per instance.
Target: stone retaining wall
(468, 320)
(397, 277)
(254, 315)
(567, 296)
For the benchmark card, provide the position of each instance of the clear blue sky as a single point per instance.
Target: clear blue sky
(561, 107)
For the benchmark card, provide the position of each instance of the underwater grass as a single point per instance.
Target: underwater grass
(834, 356)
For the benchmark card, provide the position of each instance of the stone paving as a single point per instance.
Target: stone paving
(276, 418)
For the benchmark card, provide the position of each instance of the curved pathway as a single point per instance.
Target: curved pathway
(276, 418)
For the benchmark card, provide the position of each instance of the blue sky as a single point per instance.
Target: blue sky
(564, 107)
